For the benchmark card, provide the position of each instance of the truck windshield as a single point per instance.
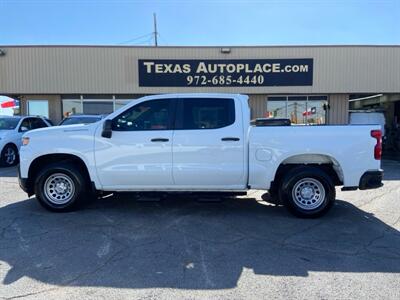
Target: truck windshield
(8, 123)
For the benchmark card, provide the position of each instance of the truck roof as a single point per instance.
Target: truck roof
(205, 95)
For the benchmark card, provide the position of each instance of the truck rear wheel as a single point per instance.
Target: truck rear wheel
(307, 192)
(60, 187)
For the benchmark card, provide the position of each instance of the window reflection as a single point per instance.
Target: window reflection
(90, 106)
(98, 107)
(309, 110)
(121, 103)
(38, 108)
(317, 112)
(71, 107)
(277, 109)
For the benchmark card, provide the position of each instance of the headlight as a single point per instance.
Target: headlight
(25, 140)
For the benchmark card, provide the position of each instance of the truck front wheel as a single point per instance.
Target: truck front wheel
(307, 192)
(60, 187)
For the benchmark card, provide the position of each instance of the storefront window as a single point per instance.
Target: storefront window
(277, 107)
(92, 105)
(301, 109)
(297, 109)
(38, 108)
(98, 107)
(317, 111)
(72, 107)
(121, 103)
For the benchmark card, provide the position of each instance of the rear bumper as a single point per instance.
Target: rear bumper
(371, 180)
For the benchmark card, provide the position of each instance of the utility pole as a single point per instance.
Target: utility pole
(155, 30)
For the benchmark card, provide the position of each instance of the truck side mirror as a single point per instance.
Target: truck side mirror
(107, 129)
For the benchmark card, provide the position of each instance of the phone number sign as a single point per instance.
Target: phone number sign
(235, 72)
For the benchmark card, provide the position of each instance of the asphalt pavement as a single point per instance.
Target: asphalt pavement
(242, 248)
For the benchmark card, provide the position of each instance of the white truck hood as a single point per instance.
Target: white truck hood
(61, 130)
(66, 139)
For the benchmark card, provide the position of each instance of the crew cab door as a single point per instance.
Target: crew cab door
(139, 153)
(208, 147)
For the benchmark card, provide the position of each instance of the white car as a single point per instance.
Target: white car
(11, 130)
(199, 143)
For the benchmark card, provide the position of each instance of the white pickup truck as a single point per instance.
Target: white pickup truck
(198, 143)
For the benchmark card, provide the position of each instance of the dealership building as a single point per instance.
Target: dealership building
(308, 84)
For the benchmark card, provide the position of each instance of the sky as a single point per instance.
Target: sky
(204, 23)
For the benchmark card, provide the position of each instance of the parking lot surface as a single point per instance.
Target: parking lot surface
(242, 248)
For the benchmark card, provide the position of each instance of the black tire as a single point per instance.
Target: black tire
(314, 183)
(67, 174)
(4, 156)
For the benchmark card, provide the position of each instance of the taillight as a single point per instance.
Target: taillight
(377, 134)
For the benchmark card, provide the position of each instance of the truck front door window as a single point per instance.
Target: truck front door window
(148, 115)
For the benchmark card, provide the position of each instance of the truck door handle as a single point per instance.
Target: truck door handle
(159, 140)
(226, 139)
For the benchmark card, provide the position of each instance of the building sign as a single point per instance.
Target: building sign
(233, 72)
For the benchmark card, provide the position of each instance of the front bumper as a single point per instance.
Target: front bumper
(371, 180)
(24, 183)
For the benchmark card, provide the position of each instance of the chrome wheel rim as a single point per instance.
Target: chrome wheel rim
(10, 155)
(308, 193)
(59, 188)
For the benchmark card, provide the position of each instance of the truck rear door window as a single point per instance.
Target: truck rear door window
(205, 113)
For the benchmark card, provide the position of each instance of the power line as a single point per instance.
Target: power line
(150, 36)
(163, 39)
(148, 41)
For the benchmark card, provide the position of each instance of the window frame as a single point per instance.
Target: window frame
(180, 109)
(171, 117)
